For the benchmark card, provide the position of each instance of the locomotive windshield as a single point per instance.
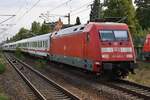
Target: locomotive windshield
(113, 35)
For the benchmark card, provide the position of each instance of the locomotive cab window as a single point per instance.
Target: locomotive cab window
(121, 35)
(107, 35)
(114, 35)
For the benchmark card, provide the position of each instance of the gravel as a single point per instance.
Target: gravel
(14, 86)
(79, 83)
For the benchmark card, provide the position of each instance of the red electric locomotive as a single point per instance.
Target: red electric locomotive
(104, 48)
(146, 48)
(97, 47)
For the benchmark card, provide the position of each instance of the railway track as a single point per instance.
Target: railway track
(43, 87)
(133, 89)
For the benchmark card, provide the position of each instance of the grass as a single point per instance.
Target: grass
(40, 63)
(142, 75)
(2, 64)
(3, 97)
(2, 68)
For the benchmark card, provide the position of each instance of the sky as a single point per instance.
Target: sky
(27, 11)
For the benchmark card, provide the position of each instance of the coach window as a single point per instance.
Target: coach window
(28, 44)
(40, 44)
(46, 44)
(43, 44)
(32, 44)
(36, 43)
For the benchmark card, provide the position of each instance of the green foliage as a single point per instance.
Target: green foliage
(78, 22)
(22, 34)
(40, 63)
(3, 97)
(45, 28)
(96, 10)
(35, 28)
(139, 39)
(2, 68)
(142, 74)
(143, 12)
(123, 8)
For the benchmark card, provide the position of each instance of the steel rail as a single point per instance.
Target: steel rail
(120, 87)
(60, 88)
(35, 90)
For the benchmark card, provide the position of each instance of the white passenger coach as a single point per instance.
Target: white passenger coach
(38, 45)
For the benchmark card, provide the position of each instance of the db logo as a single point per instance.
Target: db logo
(117, 49)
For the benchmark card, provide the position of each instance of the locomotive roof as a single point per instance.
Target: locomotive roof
(81, 28)
(107, 23)
(72, 29)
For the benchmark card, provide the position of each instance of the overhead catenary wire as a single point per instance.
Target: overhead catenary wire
(74, 11)
(23, 14)
(58, 6)
(7, 19)
(86, 9)
(29, 10)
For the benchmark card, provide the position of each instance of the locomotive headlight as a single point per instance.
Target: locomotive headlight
(105, 56)
(106, 49)
(129, 56)
(126, 49)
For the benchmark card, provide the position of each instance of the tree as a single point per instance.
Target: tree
(35, 28)
(96, 10)
(45, 28)
(78, 21)
(123, 8)
(7, 40)
(22, 33)
(143, 13)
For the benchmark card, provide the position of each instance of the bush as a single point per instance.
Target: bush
(2, 69)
